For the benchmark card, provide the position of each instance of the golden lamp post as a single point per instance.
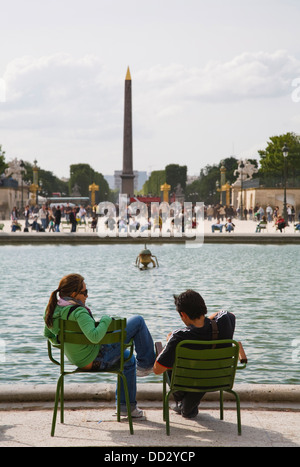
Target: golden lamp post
(93, 188)
(165, 188)
(35, 185)
(225, 187)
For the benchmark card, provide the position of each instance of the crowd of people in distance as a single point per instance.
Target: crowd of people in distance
(48, 218)
(45, 217)
(222, 217)
(42, 218)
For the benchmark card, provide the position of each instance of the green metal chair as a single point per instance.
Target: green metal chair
(70, 332)
(204, 370)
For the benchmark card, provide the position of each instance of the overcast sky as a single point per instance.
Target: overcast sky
(210, 79)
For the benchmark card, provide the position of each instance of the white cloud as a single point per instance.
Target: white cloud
(246, 76)
(79, 91)
(57, 91)
(66, 104)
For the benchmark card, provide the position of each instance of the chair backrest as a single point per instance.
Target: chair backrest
(204, 369)
(71, 333)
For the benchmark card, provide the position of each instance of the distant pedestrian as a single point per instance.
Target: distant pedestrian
(269, 212)
(43, 216)
(73, 220)
(26, 216)
(14, 214)
(82, 214)
(68, 211)
(289, 213)
(94, 223)
(57, 219)
(261, 212)
(293, 213)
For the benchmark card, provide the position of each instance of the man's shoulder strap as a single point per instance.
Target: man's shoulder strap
(215, 332)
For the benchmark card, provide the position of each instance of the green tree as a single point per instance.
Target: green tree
(273, 164)
(48, 182)
(154, 182)
(205, 189)
(3, 164)
(176, 174)
(84, 175)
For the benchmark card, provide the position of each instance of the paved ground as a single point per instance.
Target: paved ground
(270, 417)
(273, 427)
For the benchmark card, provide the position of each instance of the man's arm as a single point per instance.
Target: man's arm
(158, 369)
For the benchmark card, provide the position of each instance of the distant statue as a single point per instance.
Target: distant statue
(75, 190)
(15, 170)
(179, 194)
(245, 170)
(178, 190)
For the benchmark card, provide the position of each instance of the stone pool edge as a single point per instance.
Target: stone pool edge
(88, 392)
(21, 238)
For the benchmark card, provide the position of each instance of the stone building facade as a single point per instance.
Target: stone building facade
(11, 195)
(253, 196)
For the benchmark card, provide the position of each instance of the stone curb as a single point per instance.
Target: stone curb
(94, 239)
(150, 391)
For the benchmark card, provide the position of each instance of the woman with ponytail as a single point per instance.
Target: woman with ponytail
(68, 302)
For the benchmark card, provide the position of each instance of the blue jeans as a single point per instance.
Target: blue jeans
(109, 355)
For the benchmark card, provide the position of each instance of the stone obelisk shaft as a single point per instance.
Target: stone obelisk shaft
(127, 173)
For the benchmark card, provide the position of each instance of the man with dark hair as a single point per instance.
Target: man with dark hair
(192, 310)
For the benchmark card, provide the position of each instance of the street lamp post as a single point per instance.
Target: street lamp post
(242, 165)
(285, 151)
(22, 199)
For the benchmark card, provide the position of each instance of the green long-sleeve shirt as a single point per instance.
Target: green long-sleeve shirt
(79, 355)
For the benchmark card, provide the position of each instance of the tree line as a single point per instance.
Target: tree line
(272, 167)
(272, 170)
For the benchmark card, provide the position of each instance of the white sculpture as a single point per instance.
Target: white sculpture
(246, 172)
(15, 170)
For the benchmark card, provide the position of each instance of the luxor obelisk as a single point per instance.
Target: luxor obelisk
(127, 172)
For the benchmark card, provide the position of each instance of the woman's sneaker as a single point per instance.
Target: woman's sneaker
(135, 413)
(143, 371)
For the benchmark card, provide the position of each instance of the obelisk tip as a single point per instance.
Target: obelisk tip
(128, 76)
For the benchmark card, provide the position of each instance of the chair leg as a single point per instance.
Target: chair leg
(127, 402)
(57, 396)
(164, 395)
(221, 405)
(238, 411)
(62, 396)
(166, 413)
(118, 398)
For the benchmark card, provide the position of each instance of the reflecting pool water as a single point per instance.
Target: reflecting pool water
(258, 283)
